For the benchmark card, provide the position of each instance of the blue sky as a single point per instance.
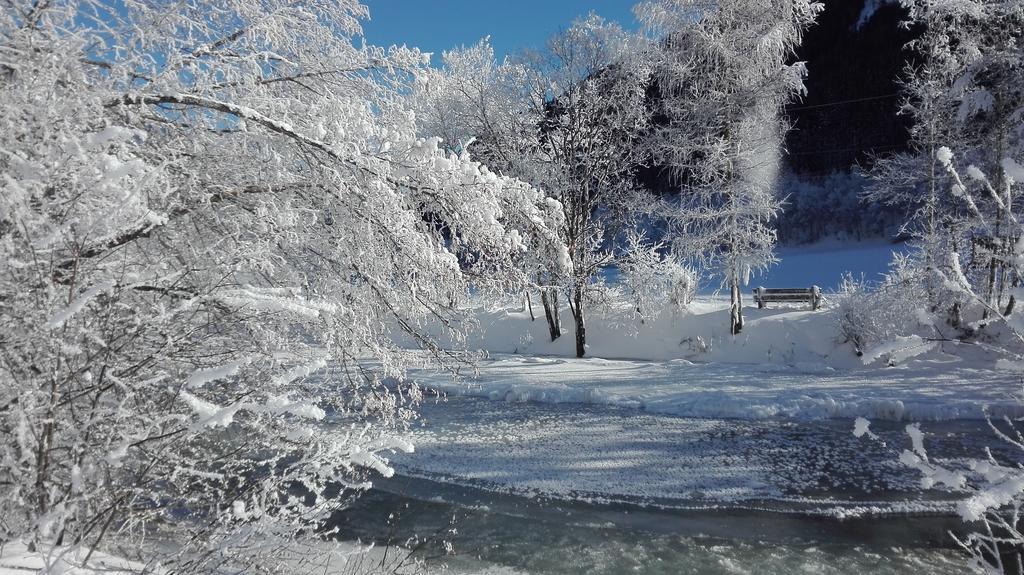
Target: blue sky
(437, 25)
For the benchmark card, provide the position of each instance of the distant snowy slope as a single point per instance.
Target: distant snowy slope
(824, 264)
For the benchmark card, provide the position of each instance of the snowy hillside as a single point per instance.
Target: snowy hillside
(781, 336)
(826, 263)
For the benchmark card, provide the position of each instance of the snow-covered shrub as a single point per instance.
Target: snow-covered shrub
(210, 218)
(869, 315)
(682, 284)
(853, 312)
(653, 280)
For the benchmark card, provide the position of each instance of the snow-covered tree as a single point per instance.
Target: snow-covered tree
(966, 99)
(472, 99)
(589, 90)
(568, 119)
(211, 217)
(724, 76)
(995, 489)
(963, 92)
(990, 112)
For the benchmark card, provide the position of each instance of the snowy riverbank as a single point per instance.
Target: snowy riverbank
(925, 389)
(789, 362)
(782, 336)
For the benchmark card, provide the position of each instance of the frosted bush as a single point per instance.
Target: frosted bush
(869, 315)
(652, 280)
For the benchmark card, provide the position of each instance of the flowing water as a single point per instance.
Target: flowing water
(496, 487)
(528, 536)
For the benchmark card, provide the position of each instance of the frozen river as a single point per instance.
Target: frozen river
(537, 488)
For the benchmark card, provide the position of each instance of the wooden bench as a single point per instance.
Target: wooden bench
(811, 295)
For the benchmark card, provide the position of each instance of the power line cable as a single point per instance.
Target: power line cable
(842, 102)
(842, 150)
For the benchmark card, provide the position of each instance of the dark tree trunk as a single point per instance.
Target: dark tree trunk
(581, 327)
(549, 297)
(955, 317)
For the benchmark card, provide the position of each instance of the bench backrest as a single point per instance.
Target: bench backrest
(811, 295)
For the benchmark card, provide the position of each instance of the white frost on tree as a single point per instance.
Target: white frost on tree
(210, 217)
(724, 77)
(568, 119)
(651, 277)
(995, 489)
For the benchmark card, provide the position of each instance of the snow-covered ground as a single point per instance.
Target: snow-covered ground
(921, 390)
(789, 361)
(16, 559)
(792, 336)
(783, 335)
